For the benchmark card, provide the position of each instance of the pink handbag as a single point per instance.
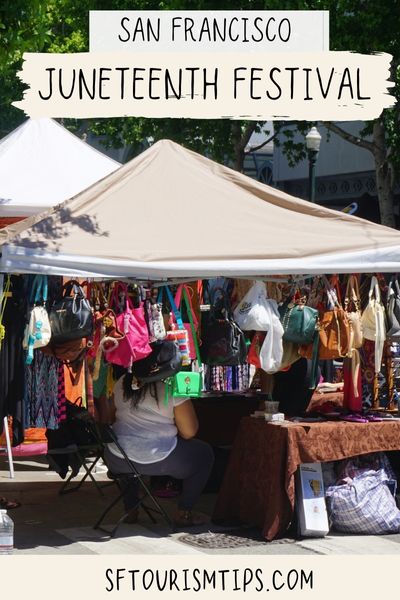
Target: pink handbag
(135, 343)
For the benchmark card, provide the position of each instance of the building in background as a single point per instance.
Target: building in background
(345, 173)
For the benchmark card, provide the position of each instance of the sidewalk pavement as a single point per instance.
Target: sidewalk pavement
(47, 523)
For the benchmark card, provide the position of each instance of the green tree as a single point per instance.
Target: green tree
(23, 28)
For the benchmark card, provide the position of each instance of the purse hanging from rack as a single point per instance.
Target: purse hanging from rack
(71, 317)
(37, 331)
(300, 325)
(223, 342)
(334, 326)
(178, 332)
(352, 306)
(187, 326)
(187, 384)
(134, 345)
(393, 310)
(373, 322)
(299, 321)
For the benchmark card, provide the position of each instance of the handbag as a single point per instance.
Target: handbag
(187, 326)
(69, 353)
(290, 355)
(352, 304)
(163, 361)
(178, 332)
(37, 331)
(393, 310)
(300, 326)
(373, 322)
(334, 327)
(98, 301)
(223, 342)
(299, 322)
(134, 345)
(155, 320)
(186, 384)
(71, 317)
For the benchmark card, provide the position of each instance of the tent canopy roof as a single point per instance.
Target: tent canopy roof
(173, 213)
(43, 164)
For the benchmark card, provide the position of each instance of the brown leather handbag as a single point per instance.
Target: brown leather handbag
(335, 332)
(334, 328)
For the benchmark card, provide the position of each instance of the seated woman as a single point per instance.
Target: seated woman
(158, 438)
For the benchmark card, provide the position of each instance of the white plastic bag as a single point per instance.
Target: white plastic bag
(271, 352)
(252, 313)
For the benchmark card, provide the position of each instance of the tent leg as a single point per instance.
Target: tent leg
(8, 444)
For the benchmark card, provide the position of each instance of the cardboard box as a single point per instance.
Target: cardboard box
(310, 501)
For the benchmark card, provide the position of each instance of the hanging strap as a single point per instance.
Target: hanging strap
(178, 301)
(352, 293)
(192, 327)
(114, 297)
(178, 316)
(374, 289)
(39, 289)
(314, 361)
(5, 289)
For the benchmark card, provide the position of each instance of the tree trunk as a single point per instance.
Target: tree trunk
(384, 176)
(240, 141)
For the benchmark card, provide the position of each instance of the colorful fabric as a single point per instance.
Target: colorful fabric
(41, 391)
(62, 402)
(227, 379)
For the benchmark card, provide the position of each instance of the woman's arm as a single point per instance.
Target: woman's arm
(186, 420)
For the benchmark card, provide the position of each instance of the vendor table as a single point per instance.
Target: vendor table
(259, 484)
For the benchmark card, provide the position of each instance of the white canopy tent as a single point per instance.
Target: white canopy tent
(43, 164)
(171, 213)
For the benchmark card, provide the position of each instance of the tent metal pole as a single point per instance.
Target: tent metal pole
(8, 444)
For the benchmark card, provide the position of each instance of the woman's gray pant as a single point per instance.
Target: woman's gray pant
(191, 461)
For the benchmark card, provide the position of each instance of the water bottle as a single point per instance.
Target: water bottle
(6, 533)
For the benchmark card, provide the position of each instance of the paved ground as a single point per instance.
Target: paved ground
(48, 523)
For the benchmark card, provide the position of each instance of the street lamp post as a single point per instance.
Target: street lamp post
(313, 142)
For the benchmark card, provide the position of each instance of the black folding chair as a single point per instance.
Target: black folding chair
(84, 450)
(108, 435)
(86, 457)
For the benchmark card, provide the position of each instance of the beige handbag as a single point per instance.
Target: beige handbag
(290, 355)
(373, 322)
(352, 306)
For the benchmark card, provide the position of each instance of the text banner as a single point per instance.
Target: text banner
(341, 86)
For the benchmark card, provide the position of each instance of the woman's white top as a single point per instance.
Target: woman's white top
(147, 432)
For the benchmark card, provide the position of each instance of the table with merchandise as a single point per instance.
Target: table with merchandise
(259, 484)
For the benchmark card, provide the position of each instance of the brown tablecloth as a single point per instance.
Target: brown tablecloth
(259, 484)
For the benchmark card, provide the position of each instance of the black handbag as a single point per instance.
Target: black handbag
(164, 361)
(71, 317)
(223, 342)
